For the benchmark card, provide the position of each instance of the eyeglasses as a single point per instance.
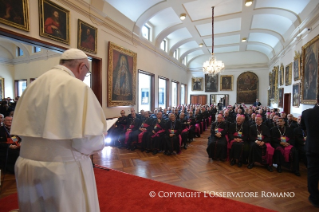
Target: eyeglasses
(89, 72)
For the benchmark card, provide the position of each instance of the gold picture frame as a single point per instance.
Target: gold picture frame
(87, 37)
(121, 77)
(226, 82)
(15, 14)
(296, 95)
(274, 84)
(2, 94)
(197, 83)
(54, 21)
(296, 66)
(281, 75)
(288, 74)
(309, 71)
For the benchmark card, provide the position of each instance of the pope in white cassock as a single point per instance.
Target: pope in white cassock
(61, 123)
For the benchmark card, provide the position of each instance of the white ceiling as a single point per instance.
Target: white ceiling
(267, 25)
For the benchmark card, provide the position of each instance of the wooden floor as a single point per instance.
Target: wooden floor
(192, 169)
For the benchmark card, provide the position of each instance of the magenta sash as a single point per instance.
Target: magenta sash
(140, 136)
(197, 128)
(269, 154)
(285, 151)
(157, 134)
(209, 120)
(229, 144)
(185, 130)
(128, 133)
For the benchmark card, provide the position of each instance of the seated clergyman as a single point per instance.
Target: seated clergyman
(260, 148)
(283, 141)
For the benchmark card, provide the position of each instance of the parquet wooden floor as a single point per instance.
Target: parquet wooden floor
(192, 169)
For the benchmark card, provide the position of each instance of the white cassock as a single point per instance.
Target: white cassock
(61, 123)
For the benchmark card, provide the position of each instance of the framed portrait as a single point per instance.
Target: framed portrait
(288, 73)
(247, 87)
(1, 88)
(121, 77)
(87, 37)
(309, 81)
(268, 99)
(226, 82)
(15, 13)
(281, 75)
(197, 83)
(211, 83)
(296, 95)
(54, 21)
(296, 66)
(281, 97)
(274, 83)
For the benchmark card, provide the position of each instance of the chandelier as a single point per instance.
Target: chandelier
(213, 66)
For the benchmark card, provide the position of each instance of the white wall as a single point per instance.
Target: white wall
(7, 72)
(263, 76)
(287, 56)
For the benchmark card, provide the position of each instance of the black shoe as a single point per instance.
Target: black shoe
(239, 164)
(315, 204)
(297, 173)
(168, 153)
(165, 153)
(148, 151)
(133, 148)
(142, 150)
(269, 168)
(128, 147)
(155, 152)
(279, 170)
(185, 146)
(232, 162)
(250, 166)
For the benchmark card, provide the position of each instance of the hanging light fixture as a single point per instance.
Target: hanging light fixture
(213, 66)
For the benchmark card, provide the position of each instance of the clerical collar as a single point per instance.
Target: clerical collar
(63, 68)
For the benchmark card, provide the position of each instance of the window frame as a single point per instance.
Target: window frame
(152, 89)
(177, 92)
(149, 32)
(16, 86)
(167, 91)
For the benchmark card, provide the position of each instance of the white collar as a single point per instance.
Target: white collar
(63, 68)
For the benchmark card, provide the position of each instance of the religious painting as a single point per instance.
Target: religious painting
(288, 77)
(281, 75)
(121, 77)
(268, 99)
(1, 89)
(87, 37)
(226, 82)
(15, 13)
(274, 83)
(54, 21)
(281, 97)
(197, 83)
(309, 82)
(211, 83)
(296, 95)
(247, 87)
(296, 66)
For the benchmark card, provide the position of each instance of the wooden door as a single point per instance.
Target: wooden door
(199, 99)
(287, 102)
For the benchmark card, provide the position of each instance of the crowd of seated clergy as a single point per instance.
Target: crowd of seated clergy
(9, 144)
(167, 130)
(256, 134)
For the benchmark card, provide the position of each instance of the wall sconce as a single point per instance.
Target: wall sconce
(200, 45)
(244, 40)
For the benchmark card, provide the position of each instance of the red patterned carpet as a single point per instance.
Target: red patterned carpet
(119, 191)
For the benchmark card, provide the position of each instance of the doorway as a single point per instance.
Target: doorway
(287, 102)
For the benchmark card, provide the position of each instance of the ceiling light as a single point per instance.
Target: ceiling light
(244, 40)
(248, 3)
(182, 16)
(200, 45)
(213, 66)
